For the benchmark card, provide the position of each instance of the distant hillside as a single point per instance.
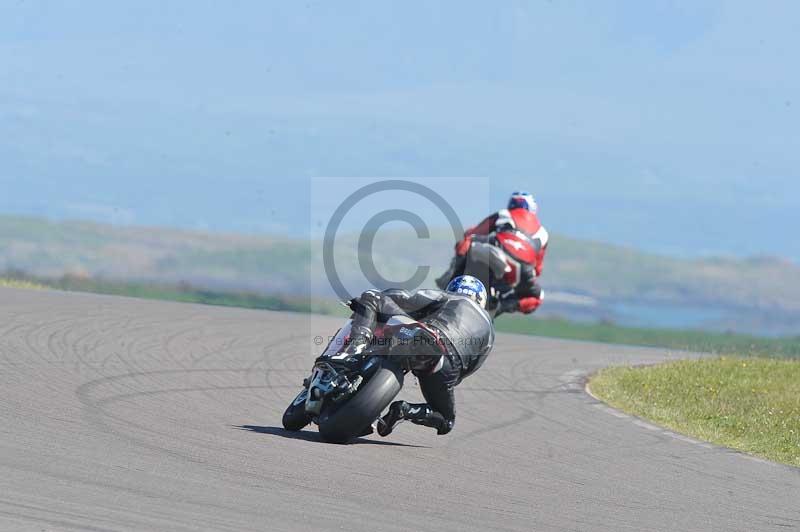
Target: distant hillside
(761, 291)
(45, 248)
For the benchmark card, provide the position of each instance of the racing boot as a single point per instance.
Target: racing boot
(423, 414)
(419, 414)
(395, 416)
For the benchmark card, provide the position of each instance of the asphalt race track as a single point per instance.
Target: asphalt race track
(121, 414)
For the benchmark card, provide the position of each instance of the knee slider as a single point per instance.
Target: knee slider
(445, 427)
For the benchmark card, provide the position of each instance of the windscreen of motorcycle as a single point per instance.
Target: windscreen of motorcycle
(339, 340)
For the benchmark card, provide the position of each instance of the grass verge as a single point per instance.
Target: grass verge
(181, 292)
(687, 340)
(749, 404)
(18, 283)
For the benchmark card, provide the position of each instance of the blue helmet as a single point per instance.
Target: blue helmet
(469, 286)
(523, 200)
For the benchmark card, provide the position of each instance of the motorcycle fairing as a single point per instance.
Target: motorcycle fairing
(517, 246)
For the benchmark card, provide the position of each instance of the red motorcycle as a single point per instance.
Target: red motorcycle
(497, 260)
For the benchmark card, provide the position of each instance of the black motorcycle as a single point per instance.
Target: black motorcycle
(345, 394)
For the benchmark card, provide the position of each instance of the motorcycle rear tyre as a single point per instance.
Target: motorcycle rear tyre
(340, 424)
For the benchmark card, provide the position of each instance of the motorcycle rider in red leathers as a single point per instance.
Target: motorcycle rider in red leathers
(520, 216)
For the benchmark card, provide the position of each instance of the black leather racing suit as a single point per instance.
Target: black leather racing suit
(465, 337)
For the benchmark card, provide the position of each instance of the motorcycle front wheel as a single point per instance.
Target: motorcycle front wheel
(295, 417)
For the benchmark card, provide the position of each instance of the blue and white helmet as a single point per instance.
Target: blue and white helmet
(469, 286)
(523, 200)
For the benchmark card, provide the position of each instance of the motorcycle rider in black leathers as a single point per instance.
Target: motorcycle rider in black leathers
(453, 337)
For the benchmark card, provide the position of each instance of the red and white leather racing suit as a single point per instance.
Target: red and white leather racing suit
(505, 225)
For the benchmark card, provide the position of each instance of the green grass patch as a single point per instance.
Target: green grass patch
(750, 404)
(688, 340)
(181, 292)
(19, 283)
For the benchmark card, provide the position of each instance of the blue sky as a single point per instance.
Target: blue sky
(670, 126)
